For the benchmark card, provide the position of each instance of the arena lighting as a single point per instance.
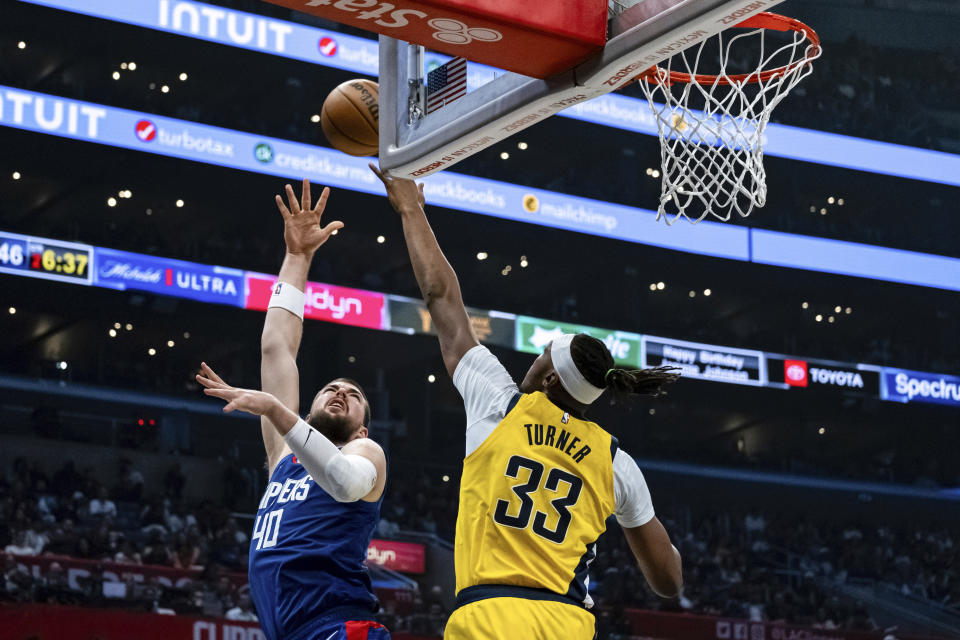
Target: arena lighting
(381, 239)
(813, 209)
(821, 431)
(183, 77)
(837, 309)
(655, 174)
(818, 318)
(482, 255)
(12, 310)
(62, 365)
(523, 261)
(164, 89)
(504, 155)
(431, 378)
(152, 351)
(112, 333)
(129, 327)
(352, 359)
(111, 201)
(16, 175)
(315, 117)
(21, 45)
(823, 211)
(522, 146)
(116, 325)
(831, 200)
(830, 319)
(180, 205)
(661, 286)
(840, 202)
(333, 233)
(652, 411)
(805, 305)
(653, 286)
(186, 335)
(132, 66)
(707, 292)
(123, 65)
(445, 478)
(170, 343)
(848, 310)
(116, 75)
(692, 294)
(152, 86)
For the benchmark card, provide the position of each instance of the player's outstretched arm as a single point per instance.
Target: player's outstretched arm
(659, 560)
(437, 280)
(283, 327)
(354, 473)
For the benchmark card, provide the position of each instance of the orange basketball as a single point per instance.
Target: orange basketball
(350, 117)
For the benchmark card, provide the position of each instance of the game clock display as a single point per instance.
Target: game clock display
(40, 258)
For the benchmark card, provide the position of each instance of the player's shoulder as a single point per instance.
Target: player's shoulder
(364, 447)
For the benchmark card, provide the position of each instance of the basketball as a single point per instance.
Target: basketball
(350, 118)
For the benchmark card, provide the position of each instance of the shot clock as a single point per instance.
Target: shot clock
(41, 258)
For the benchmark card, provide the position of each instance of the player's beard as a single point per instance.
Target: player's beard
(337, 429)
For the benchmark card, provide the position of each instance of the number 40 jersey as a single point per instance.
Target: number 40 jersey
(537, 487)
(307, 556)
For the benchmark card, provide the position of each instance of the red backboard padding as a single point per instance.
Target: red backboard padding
(537, 39)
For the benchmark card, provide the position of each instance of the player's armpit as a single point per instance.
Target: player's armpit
(659, 560)
(372, 451)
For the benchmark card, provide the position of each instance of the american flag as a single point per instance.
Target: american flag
(446, 83)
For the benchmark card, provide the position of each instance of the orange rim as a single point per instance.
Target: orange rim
(763, 20)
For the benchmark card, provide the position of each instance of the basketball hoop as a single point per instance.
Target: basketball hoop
(711, 127)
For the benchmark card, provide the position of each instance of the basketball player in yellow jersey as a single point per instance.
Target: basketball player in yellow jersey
(539, 480)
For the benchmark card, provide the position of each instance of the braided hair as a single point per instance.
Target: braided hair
(594, 361)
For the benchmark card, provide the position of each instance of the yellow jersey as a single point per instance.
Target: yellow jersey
(534, 497)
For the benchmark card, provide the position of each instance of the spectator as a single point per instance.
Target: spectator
(243, 611)
(102, 505)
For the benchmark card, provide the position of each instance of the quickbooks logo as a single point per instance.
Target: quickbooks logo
(263, 153)
(533, 334)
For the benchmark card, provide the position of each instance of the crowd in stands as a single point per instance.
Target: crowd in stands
(748, 564)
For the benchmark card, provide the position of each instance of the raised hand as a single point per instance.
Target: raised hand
(255, 402)
(402, 193)
(302, 230)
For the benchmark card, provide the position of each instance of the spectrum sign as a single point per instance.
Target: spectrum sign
(900, 385)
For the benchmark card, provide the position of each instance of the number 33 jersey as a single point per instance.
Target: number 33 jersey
(307, 555)
(537, 488)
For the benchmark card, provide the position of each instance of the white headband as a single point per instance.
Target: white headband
(570, 377)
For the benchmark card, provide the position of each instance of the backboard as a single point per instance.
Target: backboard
(414, 144)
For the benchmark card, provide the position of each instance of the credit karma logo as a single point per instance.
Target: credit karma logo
(146, 131)
(263, 153)
(795, 373)
(327, 47)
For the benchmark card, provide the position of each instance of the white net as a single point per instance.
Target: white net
(712, 127)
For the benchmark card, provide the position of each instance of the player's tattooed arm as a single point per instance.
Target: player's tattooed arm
(437, 280)
(282, 330)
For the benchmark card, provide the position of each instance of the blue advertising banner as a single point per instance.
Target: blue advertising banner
(177, 278)
(360, 55)
(901, 385)
(250, 152)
